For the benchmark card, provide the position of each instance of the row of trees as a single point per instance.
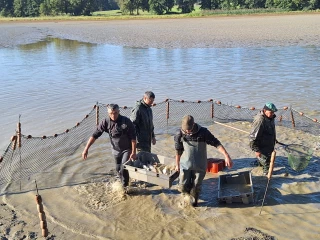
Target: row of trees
(290, 5)
(34, 8)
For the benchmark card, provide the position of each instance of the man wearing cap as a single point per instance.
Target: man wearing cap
(142, 119)
(122, 138)
(191, 155)
(263, 135)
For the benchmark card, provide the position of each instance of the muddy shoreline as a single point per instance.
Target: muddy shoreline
(209, 32)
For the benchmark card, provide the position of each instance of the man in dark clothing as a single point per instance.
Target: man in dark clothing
(142, 119)
(263, 135)
(122, 137)
(191, 155)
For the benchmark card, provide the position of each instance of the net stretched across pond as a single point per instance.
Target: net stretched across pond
(53, 159)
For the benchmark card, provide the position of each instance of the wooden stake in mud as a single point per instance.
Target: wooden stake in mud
(19, 133)
(212, 110)
(97, 114)
(14, 140)
(273, 157)
(168, 110)
(42, 215)
(292, 119)
(19, 146)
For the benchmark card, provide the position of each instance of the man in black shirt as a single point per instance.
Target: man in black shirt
(122, 137)
(142, 118)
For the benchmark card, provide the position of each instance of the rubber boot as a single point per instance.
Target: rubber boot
(195, 194)
(263, 160)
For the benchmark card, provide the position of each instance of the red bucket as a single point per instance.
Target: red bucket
(215, 165)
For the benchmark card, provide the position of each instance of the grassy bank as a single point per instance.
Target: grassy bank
(175, 13)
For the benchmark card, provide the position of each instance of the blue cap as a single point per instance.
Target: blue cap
(270, 106)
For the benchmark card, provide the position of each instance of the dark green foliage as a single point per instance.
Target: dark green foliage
(33, 8)
(314, 4)
(251, 4)
(131, 6)
(206, 4)
(81, 7)
(186, 6)
(104, 5)
(6, 8)
(161, 6)
(127, 6)
(20, 7)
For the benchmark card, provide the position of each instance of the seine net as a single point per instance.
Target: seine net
(51, 157)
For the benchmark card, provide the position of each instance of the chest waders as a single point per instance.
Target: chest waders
(193, 165)
(267, 144)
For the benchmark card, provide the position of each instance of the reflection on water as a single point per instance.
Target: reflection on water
(54, 83)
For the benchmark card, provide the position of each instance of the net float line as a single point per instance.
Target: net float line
(47, 151)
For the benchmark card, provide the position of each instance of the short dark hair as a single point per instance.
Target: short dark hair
(113, 106)
(149, 94)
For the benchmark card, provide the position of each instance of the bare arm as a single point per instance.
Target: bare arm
(227, 158)
(86, 149)
(134, 149)
(178, 162)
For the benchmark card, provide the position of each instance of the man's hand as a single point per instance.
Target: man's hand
(85, 154)
(86, 149)
(229, 162)
(154, 141)
(133, 156)
(258, 154)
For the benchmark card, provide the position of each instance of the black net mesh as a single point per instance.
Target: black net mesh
(39, 155)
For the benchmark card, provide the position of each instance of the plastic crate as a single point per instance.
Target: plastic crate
(236, 188)
(146, 175)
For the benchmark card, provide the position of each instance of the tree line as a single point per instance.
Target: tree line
(35, 8)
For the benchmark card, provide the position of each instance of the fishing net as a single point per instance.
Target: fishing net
(298, 156)
(53, 159)
(254, 234)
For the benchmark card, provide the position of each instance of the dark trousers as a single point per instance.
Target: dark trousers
(144, 149)
(120, 159)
